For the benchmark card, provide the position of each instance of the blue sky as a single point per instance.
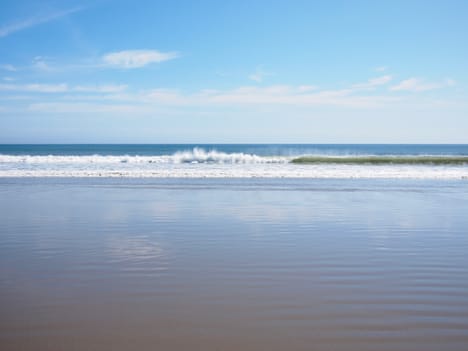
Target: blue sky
(233, 71)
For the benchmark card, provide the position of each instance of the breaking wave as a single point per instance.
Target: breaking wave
(383, 160)
(197, 155)
(201, 163)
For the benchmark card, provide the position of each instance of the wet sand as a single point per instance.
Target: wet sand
(233, 265)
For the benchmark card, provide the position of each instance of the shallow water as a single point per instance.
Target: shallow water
(226, 264)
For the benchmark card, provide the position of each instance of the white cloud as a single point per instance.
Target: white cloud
(79, 107)
(151, 101)
(249, 96)
(8, 67)
(100, 88)
(62, 88)
(114, 97)
(417, 85)
(36, 88)
(381, 68)
(259, 75)
(137, 58)
(373, 82)
(380, 80)
(304, 88)
(271, 95)
(34, 21)
(40, 64)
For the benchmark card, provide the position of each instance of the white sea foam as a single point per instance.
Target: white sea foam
(197, 155)
(198, 163)
(253, 171)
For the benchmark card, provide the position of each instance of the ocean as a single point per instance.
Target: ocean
(234, 247)
(236, 161)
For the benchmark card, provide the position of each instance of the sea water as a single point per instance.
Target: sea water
(235, 161)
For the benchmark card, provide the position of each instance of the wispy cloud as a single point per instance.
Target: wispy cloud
(259, 75)
(8, 67)
(62, 88)
(380, 68)
(136, 58)
(418, 85)
(373, 82)
(246, 97)
(79, 107)
(128, 59)
(115, 98)
(109, 88)
(305, 88)
(34, 21)
(271, 95)
(40, 64)
(35, 88)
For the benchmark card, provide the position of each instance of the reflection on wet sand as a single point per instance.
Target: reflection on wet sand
(304, 266)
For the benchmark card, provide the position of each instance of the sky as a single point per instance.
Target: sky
(233, 71)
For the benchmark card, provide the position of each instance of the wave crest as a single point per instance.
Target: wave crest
(196, 155)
